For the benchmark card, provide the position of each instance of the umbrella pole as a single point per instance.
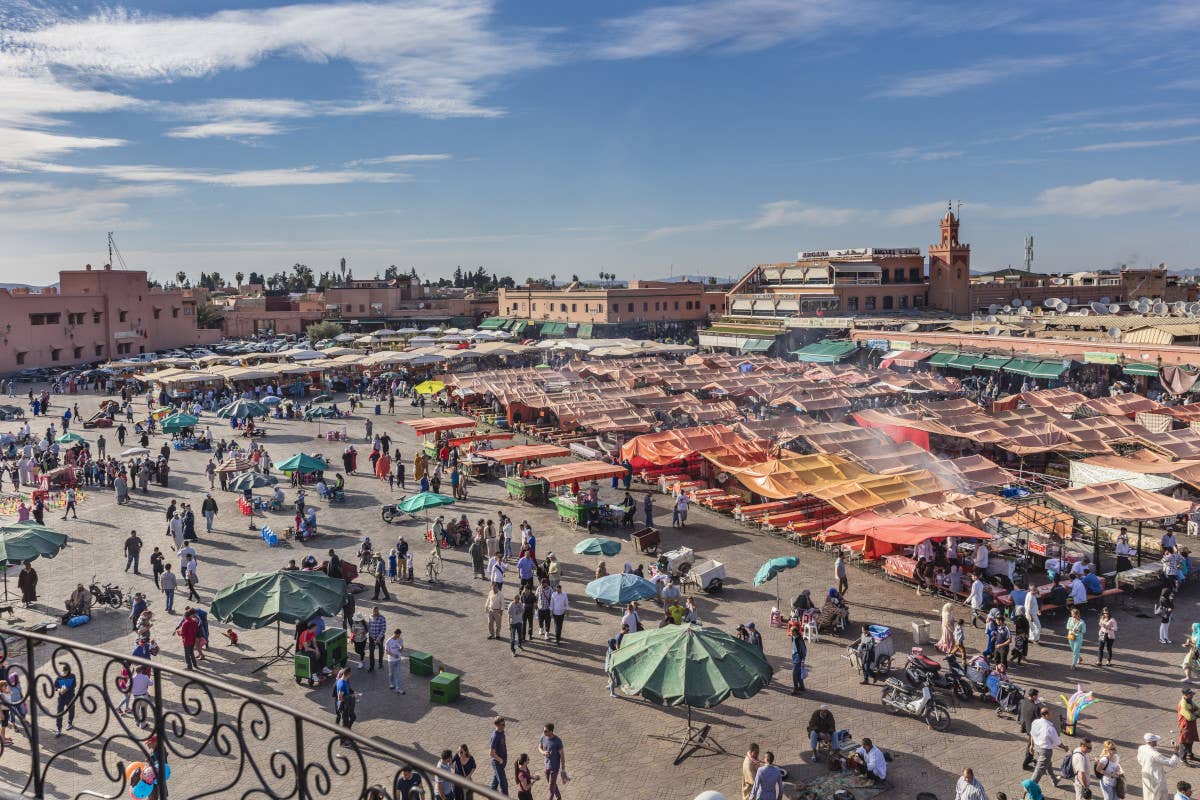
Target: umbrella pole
(692, 739)
(281, 653)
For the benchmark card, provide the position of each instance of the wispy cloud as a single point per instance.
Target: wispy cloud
(792, 213)
(922, 154)
(45, 206)
(402, 158)
(698, 227)
(937, 83)
(1112, 196)
(255, 178)
(22, 144)
(428, 57)
(233, 129)
(1106, 147)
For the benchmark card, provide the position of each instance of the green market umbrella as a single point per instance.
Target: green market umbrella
(259, 599)
(253, 480)
(691, 666)
(69, 437)
(301, 462)
(598, 547)
(26, 541)
(177, 422)
(771, 569)
(242, 409)
(320, 412)
(423, 501)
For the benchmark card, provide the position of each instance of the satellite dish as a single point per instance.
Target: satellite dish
(1023, 310)
(1074, 301)
(1050, 302)
(1083, 312)
(1058, 281)
(993, 308)
(992, 318)
(1007, 309)
(1114, 332)
(1160, 308)
(1016, 303)
(1179, 306)
(1106, 300)
(994, 331)
(1061, 307)
(909, 327)
(1114, 308)
(1143, 306)
(1194, 308)
(1099, 308)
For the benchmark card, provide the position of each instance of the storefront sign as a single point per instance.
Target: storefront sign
(1101, 358)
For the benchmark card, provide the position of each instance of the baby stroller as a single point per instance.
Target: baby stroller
(1006, 694)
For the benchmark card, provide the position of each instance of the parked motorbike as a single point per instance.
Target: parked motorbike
(974, 675)
(110, 595)
(920, 668)
(390, 511)
(899, 697)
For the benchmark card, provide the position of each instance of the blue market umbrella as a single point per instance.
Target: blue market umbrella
(621, 589)
(771, 569)
(598, 547)
(271, 400)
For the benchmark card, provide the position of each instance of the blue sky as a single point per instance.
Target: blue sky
(632, 138)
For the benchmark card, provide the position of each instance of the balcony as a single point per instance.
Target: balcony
(217, 739)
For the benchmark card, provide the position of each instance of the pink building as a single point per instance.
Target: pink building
(94, 315)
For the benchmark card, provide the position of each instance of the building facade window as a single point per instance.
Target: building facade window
(21, 358)
(175, 312)
(573, 306)
(95, 317)
(55, 353)
(712, 306)
(98, 350)
(78, 352)
(869, 302)
(123, 349)
(616, 307)
(645, 306)
(562, 307)
(904, 301)
(887, 302)
(884, 275)
(157, 313)
(631, 308)
(535, 306)
(852, 303)
(45, 319)
(122, 315)
(914, 275)
(918, 301)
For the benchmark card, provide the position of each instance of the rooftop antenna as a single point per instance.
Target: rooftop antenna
(958, 210)
(112, 250)
(1029, 253)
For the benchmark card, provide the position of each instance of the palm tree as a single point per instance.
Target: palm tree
(553, 278)
(238, 276)
(574, 279)
(180, 277)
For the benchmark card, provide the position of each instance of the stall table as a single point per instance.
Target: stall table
(531, 490)
(569, 510)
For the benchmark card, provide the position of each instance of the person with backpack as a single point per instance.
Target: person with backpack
(1079, 764)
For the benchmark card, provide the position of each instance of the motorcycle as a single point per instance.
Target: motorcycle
(110, 595)
(920, 668)
(390, 511)
(975, 673)
(898, 697)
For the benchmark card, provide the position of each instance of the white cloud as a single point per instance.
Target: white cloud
(920, 154)
(431, 57)
(937, 83)
(699, 227)
(233, 129)
(792, 213)
(45, 206)
(1106, 147)
(736, 25)
(22, 144)
(255, 178)
(403, 158)
(1111, 196)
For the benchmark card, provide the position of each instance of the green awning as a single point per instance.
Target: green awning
(964, 361)
(492, 323)
(825, 352)
(941, 359)
(1022, 366)
(585, 331)
(550, 329)
(519, 326)
(1148, 370)
(757, 345)
(1048, 369)
(992, 363)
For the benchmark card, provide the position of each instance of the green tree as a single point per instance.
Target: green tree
(238, 277)
(574, 278)
(209, 316)
(712, 280)
(319, 331)
(553, 278)
(181, 278)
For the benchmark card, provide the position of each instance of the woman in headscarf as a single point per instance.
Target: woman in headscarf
(1191, 649)
(1165, 609)
(946, 643)
(1020, 647)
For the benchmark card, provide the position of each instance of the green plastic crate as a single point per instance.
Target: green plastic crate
(420, 663)
(444, 687)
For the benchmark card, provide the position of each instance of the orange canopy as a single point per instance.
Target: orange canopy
(430, 425)
(792, 475)
(1120, 501)
(886, 535)
(581, 471)
(524, 452)
(660, 449)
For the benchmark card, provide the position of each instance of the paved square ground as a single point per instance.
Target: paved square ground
(609, 750)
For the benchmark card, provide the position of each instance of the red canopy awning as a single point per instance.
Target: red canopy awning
(438, 424)
(524, 452)
(910, 358)
(480, 437)
(889, 534)
(581, 471)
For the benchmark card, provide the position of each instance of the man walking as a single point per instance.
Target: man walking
(516, 625)
(376, 631)
(551, 747)
(70, 509)
(133, 551)
(189, 629)
(394, 649)
(493, 606)
(169, 581)
(558, 610)
(1043, 738)
(498, 756)
(839, 574)
(100, 443)
(192, 579)
(381, 583)
(209, 509)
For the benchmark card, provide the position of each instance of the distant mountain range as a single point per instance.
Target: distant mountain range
(24, 286)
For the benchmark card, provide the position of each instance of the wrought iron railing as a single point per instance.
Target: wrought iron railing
(217, 739)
